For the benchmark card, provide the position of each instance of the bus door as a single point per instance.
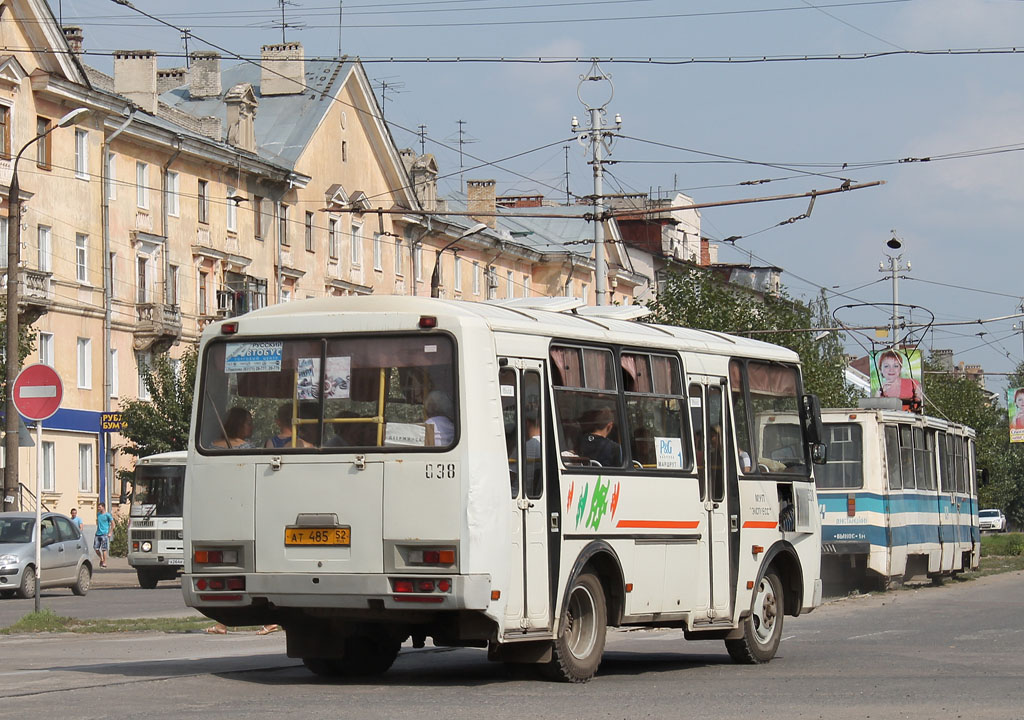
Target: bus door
(522, 404)
(709, 416)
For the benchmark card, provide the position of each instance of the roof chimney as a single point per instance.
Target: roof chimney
(480, 199)
(135, 77)
(169, 78)
(283, 69)
(204, 75)
(241, 111)
(74, 37)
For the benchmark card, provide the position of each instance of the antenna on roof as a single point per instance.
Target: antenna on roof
(423, 138)
(341, 4)
(186, 33)
(463, 139)
(283, 23)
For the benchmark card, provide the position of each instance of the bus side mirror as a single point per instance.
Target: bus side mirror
(810, 415)
(819, 453)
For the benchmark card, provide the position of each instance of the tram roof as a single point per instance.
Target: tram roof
(175, 457)
(520, 318)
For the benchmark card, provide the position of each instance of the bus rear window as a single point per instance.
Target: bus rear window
(328, 394)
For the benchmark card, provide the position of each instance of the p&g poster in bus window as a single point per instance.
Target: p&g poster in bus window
(253, 357)
(669, 452)
(336, 383)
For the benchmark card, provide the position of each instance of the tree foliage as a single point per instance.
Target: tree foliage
(695, 297)
(26, 344)
(160, 424)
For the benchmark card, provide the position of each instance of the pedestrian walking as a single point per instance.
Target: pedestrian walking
(75, 520)
(104, 523)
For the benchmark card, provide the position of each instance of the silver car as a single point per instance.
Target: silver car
(64, 555)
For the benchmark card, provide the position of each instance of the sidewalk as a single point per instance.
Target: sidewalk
(117, 573)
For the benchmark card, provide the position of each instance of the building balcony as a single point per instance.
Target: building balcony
(159, 327)
(35, 293)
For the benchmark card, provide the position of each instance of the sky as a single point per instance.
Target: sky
(713, 95)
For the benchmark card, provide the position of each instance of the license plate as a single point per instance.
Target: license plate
(317, 536)
(175, 561)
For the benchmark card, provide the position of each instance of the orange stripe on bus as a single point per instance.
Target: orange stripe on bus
(660, 524)
(768, 524)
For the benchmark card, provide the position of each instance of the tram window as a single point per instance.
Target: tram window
(907, 457)
(774, 414)
(924, 460)
(507, 382)
(892, 458)
(655, 412)
(587, 402)
(845, 466)
(960, 461)
(971, 463)
(947, 481)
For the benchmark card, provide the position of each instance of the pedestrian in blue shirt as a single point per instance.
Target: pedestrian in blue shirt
(104, 522)
(75, 520)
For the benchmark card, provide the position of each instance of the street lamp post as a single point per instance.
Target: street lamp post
(13, 360)
(435, 277)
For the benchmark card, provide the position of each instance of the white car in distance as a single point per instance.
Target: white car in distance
(992, 520)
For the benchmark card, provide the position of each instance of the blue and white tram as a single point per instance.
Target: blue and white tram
(898, 495)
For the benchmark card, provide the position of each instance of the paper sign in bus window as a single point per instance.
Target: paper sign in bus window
(669, 452)
(336, 384)
(308, 381)
(253, 357)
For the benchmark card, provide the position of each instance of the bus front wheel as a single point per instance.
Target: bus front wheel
(762, 630)
(580, 643)
(147, 578)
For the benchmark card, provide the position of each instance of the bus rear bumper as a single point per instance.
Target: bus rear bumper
(356, 592)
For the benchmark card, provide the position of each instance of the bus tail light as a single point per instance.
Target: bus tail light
(443, 556)
(851, 505)
(220, 584)
(427, 590)
(428, 322)
(215, 557)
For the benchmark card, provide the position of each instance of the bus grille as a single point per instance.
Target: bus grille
(170, 534)
(142, 523)
(143, 535)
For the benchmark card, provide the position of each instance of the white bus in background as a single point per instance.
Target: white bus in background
(155, 538)
(516, 476)
(899, 496)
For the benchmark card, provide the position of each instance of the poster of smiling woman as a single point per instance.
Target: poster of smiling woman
(1015, 408)
(897, 374)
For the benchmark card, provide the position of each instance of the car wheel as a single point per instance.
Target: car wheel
(28, 583)
(81, 587)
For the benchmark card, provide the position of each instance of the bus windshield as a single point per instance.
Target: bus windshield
(158, 490)
(328, 394)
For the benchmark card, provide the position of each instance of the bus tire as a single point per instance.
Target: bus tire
(762, 630)
(324, 667)
(147, 578)
(580, 641)
(368, 655)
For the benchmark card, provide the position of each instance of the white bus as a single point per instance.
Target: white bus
(516, 476)
(155, 536)
(898, 496)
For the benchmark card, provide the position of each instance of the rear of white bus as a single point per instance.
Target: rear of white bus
(328, 488)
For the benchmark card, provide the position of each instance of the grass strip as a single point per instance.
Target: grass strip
(48, 621)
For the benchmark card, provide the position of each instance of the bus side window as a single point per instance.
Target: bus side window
(507, 382)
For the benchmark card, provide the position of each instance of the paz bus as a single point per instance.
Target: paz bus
(899, 495)
(155, 544)
(516, 476)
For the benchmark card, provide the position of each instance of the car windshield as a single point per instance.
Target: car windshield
(989, 513)
(16, 530)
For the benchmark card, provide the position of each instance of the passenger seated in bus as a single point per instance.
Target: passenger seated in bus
(283, 437)
(439, 412)
(597, 425)
(237, 429)
(353, 434)
(308, 432)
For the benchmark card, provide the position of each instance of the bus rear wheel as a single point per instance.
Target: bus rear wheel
(762, 630)
(364, 655)
(580, 643)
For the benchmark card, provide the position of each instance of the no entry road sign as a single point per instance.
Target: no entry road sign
(38, 392)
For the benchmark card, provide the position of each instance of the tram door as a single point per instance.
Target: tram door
(522, 404)
(712, 430)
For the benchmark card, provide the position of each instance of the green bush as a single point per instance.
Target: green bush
(1005, 544)
(119, 538)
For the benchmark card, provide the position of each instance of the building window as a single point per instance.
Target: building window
(310, 246)
(5, 132)
(398, 256)
(45, 249)
(85, 363)
(46, 348)
(257, 217)
(585, 292)
(113, 275)
(115, 386)
(84, 468)
(378, 252)
(457, 280)
(43, 149)
(357, 244)
(282, 225)
(144, 359)
(81, 258)
(491, 278)
(232, 210)
(81, 154)
(173, 192)
(49, 458)
(201, 293)
(332, 237)
(111, 176)
(344, 150)
(509, 285)
(526, 286)
(172, 285)
(417, 261)
(476, 278)
(204, 202)
(142, 280)
(142, 185)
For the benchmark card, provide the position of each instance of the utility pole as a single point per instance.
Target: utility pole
(423, 138)
(894, 268)
(568, 194)
(463, 139)
(600, 140)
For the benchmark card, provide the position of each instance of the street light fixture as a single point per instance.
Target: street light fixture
(435, 277)
(13, 261)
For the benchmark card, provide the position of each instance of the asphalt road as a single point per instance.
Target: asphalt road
(946, 652)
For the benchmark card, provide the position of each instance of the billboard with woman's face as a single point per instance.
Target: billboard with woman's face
(1015, 409)
(897, 374)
